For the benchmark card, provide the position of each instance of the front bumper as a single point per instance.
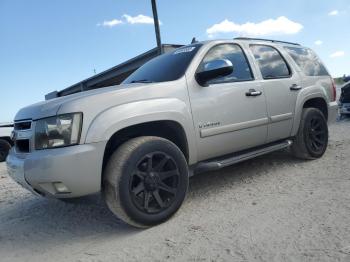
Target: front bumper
(78, 168)
(344, 108)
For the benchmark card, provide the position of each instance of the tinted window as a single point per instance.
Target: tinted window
(166, 67)
(271, 63)
(308, 61)
(241, 69)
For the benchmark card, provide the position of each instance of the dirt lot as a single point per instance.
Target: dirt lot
(274, 208)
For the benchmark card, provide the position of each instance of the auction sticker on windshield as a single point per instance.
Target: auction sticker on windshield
(185, 50)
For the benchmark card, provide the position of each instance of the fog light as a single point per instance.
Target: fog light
(61, 188)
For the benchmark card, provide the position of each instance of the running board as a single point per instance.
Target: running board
(215, 164)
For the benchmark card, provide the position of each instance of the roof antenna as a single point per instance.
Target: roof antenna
(194, 40)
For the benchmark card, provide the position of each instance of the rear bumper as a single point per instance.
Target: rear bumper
(78, 168)
(332, 111)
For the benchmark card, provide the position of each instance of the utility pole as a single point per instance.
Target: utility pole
(156, 26)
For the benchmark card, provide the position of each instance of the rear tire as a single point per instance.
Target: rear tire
(145, 181)
(5, 147)
(312, 138)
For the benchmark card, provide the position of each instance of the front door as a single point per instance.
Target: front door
(229, 113)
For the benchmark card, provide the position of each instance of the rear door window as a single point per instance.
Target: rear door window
(271, 63)
(307, 60)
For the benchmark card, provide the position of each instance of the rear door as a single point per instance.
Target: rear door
(226, 117)
(281, 84)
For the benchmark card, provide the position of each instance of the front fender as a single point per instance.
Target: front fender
(108, 122)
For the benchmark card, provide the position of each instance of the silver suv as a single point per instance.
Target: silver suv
(199, 108)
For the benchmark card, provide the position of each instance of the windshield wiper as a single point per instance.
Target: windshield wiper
(142, 81)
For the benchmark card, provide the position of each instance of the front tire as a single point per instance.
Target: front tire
(145, 181)
(311, 140)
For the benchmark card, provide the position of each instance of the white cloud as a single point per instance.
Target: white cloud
(111, 23)
(333, 13)
(318, 42)
(280, 26)
(128, 19)
(337, 54)
(139, 19)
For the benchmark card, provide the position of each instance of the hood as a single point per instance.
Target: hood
(50, 107)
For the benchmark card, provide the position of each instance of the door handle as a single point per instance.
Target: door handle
(253, 92)
(295, 87)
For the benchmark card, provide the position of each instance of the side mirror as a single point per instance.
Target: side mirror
(214, 69)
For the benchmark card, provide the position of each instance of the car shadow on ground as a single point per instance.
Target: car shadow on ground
(51, 221)
(240, 173)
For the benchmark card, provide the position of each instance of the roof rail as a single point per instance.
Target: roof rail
(267, 40)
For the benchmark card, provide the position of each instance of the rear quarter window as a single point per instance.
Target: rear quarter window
(308, 61)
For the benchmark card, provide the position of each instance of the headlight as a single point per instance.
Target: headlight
(58, 131)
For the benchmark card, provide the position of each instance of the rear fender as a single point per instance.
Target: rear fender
(304, 95)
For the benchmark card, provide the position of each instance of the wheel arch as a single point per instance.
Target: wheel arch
(318, 103)
(168, 129)
(316, 100)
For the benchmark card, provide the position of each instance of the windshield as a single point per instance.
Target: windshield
(166, 67)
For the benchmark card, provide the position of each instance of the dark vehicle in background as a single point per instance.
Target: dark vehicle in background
(346, 78)
(344, 100)
(5, 140)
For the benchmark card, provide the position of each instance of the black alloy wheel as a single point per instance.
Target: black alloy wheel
(154, 183)
(317, 135)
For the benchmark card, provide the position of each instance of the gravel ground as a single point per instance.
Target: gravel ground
(273, 208)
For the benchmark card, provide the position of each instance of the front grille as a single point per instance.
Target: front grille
(22, 146)
(23, 125)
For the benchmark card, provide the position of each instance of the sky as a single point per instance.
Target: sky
(50, 45)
